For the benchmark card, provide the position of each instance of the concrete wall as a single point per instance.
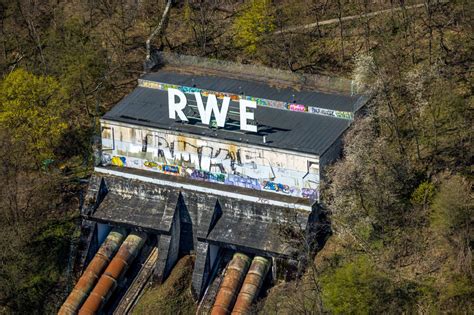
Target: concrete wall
(211, 160)
(173, 252)
(189, 221)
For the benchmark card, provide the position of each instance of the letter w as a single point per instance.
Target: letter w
(211, 107)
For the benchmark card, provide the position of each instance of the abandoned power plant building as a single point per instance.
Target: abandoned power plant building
(211, 159)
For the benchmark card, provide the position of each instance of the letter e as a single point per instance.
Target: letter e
(244, 115)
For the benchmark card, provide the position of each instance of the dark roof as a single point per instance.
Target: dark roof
(295, 131)
(216, 83)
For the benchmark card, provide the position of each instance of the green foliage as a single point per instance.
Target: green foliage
(355, 288)
(187, 12)
(457, 292)
(296, 297)
(31, 110)
(423, 194)
(34, 267)
(253, 24)
(453, 206)
(79, 61)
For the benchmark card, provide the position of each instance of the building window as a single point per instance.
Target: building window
(108, 141)
(145, 144)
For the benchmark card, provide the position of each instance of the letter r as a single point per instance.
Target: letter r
(174, 107)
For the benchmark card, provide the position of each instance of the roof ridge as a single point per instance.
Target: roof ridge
(259, 73)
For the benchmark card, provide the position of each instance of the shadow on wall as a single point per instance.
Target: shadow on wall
(186, 241)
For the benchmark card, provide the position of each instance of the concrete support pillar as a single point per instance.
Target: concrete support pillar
(161, 270)
(168, 250)
(88, 243)
(201, 270)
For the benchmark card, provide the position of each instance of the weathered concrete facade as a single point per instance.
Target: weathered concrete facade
(189, 221)
(206, 159)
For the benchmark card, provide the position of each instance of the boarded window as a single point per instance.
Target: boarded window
(108, 142)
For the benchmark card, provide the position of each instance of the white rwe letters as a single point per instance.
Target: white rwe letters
(211, 107)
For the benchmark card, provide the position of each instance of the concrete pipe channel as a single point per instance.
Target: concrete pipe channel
(117, 267)
(231, 283)
(252, 285)
(94, 270)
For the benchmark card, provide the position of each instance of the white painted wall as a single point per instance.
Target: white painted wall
(211, 160)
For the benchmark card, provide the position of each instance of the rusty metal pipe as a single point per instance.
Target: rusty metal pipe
(115, 270)
(231, 283)
(252, 285)
(93, 271)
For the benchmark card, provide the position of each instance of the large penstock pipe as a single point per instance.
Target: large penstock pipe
(93, 271)
(252, 285)
(231, 283)
(117, 267)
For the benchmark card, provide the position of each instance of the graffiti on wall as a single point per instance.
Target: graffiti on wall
(267, 185)
(260, 101)
(215, 162)
(222, 178)
(119, 161)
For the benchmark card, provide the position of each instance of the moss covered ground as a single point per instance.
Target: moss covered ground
(173, 296)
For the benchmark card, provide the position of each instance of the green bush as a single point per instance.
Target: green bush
(253, 24)
(423, 194)
(33, 279)
(453, 208)
(355, 288)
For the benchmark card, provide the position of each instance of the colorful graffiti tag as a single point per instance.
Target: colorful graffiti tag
(208, 176)
(211, 161)
(268, 185)
(260, 101)
(222, 178)
(171, 169)
(119, 161)
(297, 107)
(242, 181)
(309, 193)
(151, 164)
